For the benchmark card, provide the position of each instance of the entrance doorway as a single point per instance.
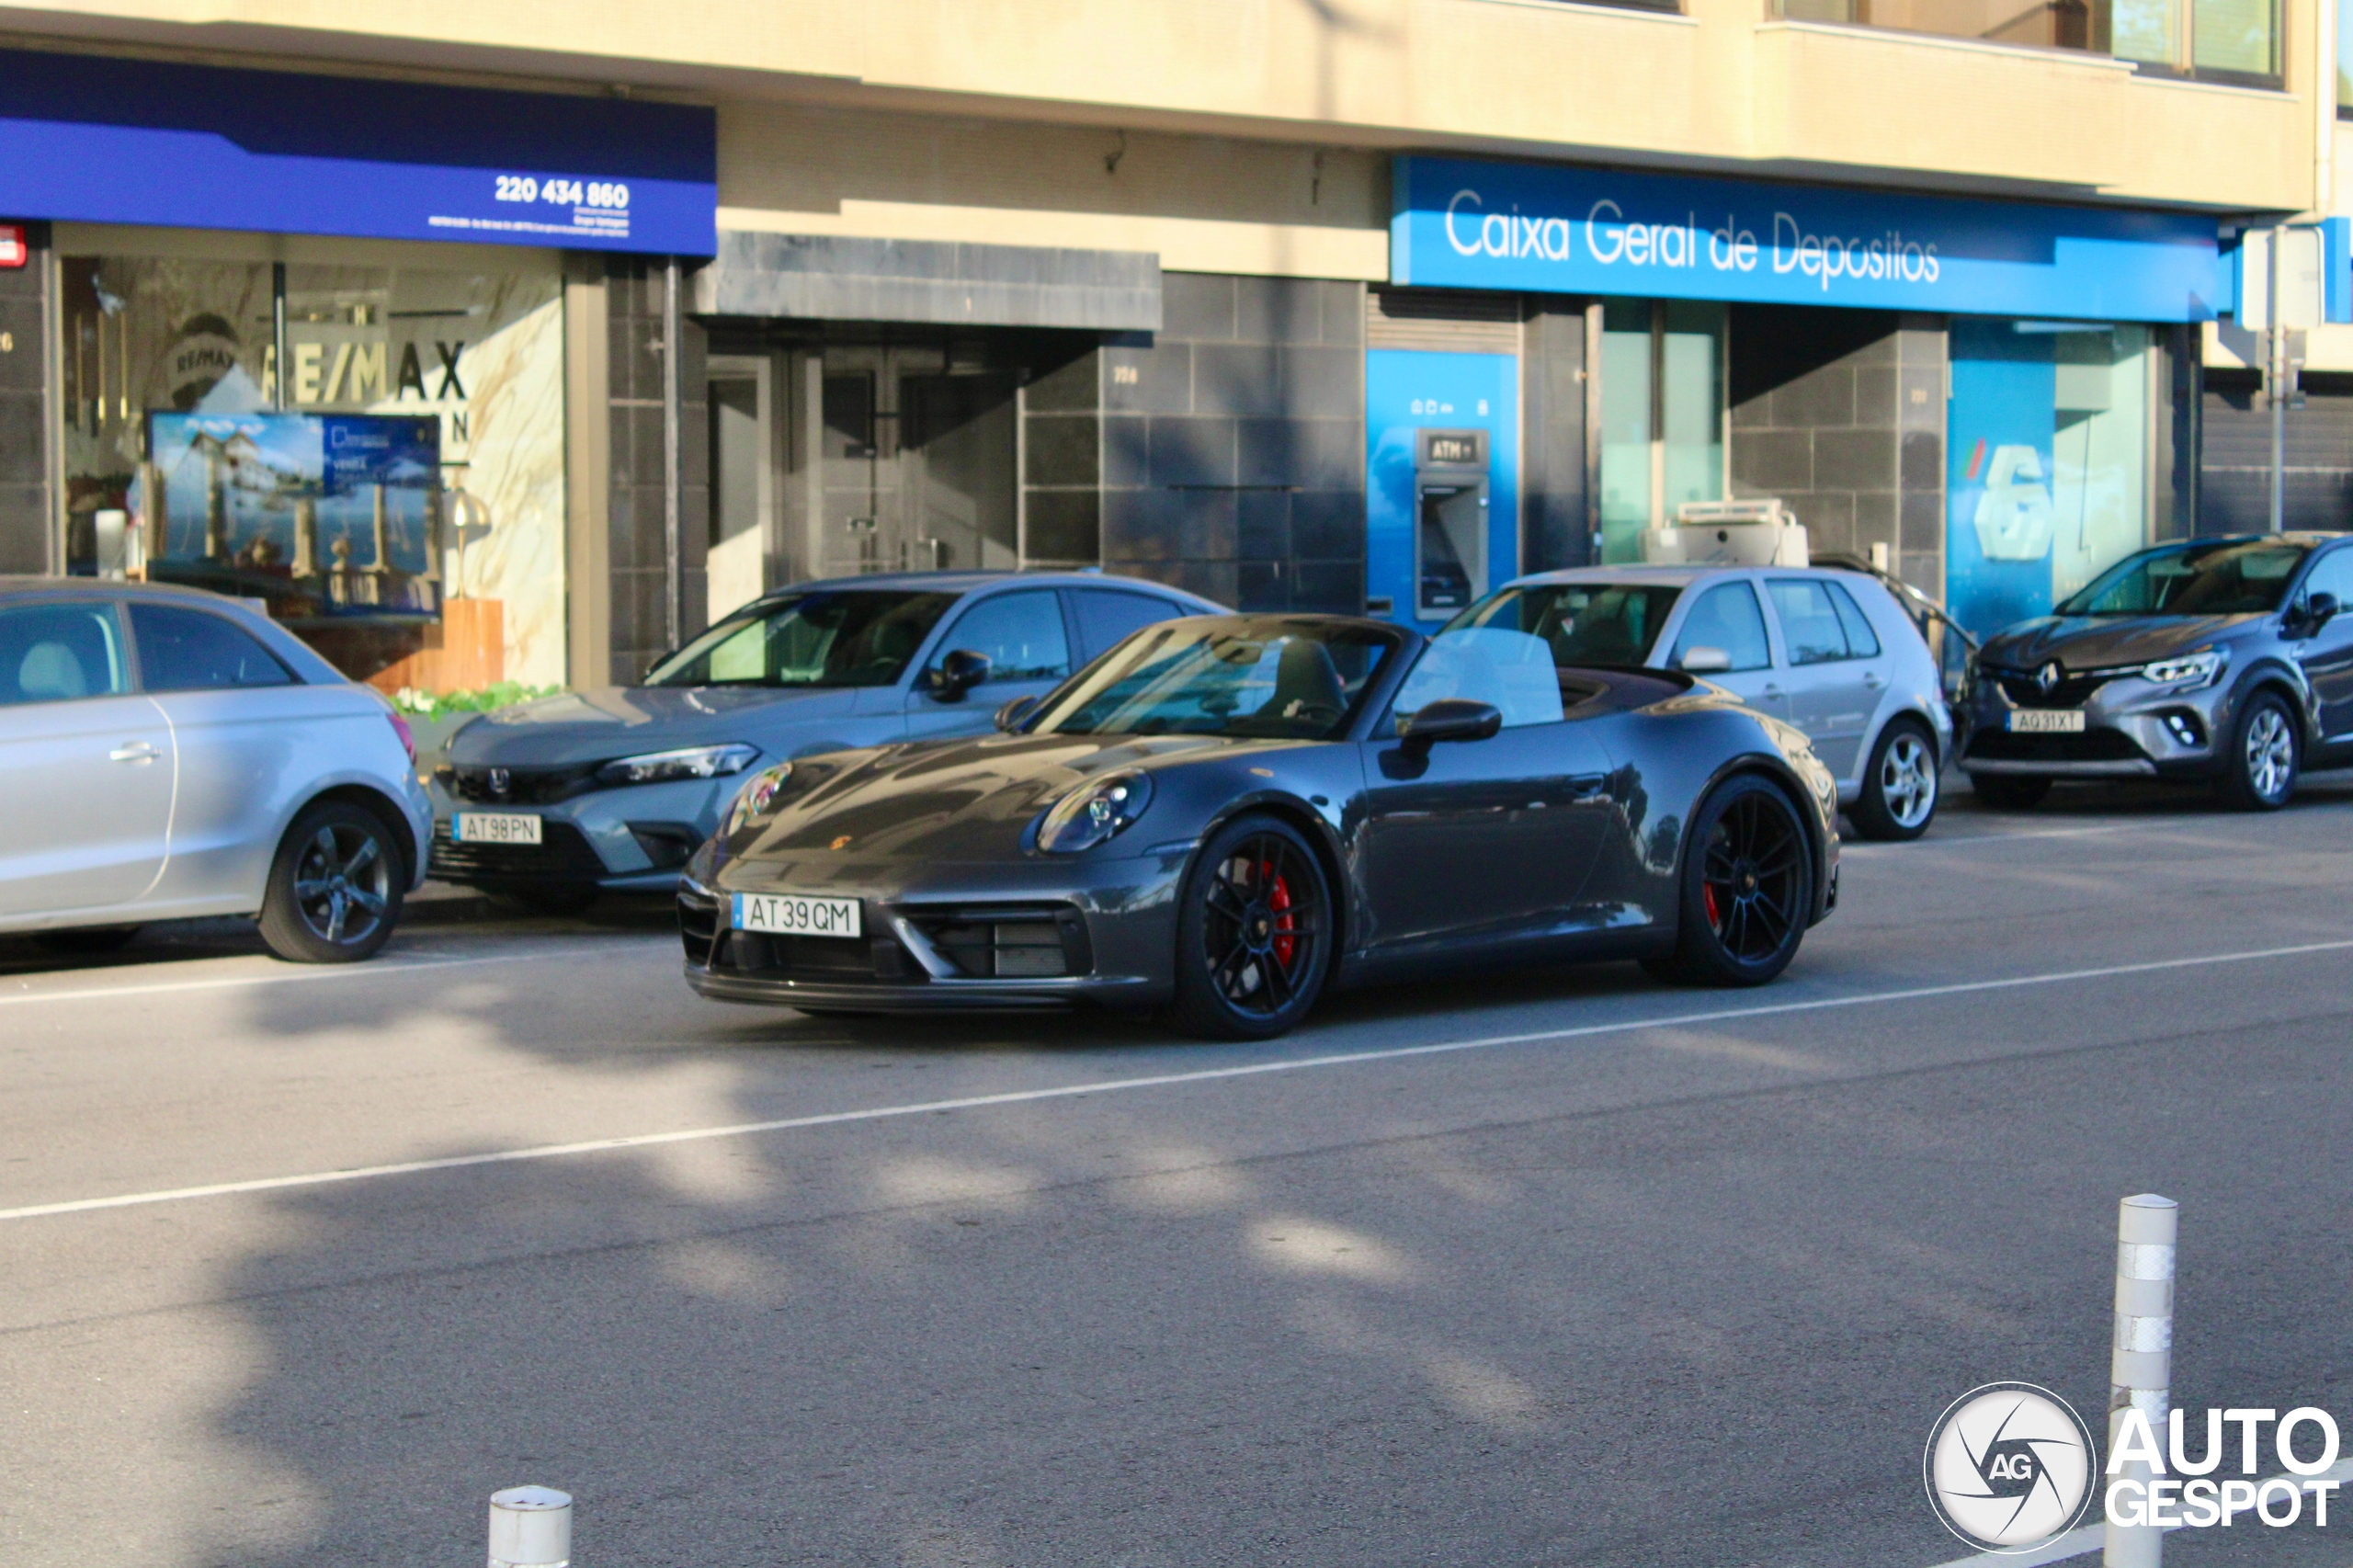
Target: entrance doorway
(918, 464)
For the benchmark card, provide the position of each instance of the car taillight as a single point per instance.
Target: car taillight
(408, 739)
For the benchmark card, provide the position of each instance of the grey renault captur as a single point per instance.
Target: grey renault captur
(2215, 659)
(551, 801)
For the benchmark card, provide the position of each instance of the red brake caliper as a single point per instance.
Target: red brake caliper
(1715, 916)
(1286, 938)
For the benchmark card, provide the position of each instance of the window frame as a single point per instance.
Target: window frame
(129, 612)
(944, 634)
(126, 649)
(1074, 596)
(1776, 654)
(2181, 67)
(1789, 644)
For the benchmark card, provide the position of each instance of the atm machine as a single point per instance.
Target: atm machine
(1450, 521)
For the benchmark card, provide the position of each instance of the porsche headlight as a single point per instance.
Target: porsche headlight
(2189, 672)
(693, 762)
(755, 797)
(1095, 812)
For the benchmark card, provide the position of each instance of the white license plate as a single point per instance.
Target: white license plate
(795, 914)
(496, 827)
(2046, 722)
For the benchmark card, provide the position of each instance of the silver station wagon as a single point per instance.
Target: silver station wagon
(1827, 651)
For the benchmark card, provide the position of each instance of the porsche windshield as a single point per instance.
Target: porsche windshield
(1586, 623)
(832, 637)
(1274, 678)
(2245, 577)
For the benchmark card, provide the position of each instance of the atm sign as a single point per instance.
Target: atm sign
(1454, 449)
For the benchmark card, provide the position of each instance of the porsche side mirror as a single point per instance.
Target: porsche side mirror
(1704, 661)
(958, 672)
(1451, 718)
(1009, 717)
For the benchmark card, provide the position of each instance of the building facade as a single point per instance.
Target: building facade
(483, 353)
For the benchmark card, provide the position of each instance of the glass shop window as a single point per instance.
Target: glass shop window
(393, 490)
(1661, 415)
(2049, 450)
(2224, 41)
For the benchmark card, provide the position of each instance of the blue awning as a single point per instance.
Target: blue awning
(97, 140)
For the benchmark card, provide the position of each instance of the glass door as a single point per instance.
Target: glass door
(918, 464)
(742, 485)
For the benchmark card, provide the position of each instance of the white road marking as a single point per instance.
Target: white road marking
(1163, 1080)
(321, 972)
(1997, 836)
(2092, 1538)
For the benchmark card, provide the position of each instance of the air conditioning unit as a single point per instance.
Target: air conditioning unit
(1727, 533)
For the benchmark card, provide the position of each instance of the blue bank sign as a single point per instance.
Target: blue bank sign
(94, 140)
(1544, 229)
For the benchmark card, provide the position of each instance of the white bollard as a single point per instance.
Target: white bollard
(530, 1527)
(2141, 1364)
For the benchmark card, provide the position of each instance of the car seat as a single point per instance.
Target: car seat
(50, 672)
(1307, 685)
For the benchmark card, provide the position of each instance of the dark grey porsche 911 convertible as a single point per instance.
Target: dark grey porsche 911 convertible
(1226, 815)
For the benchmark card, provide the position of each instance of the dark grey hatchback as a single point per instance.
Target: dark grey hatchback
(2218, 659)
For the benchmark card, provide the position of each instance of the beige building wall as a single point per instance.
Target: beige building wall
(1725, 88)
(1205, 204)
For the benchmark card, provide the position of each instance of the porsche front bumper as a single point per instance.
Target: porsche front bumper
(944, 938)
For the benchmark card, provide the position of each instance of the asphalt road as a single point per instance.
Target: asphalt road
(1638, 1277)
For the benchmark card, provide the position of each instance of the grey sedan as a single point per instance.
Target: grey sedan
(2225, 660)
(550, 802)
(1825, 650)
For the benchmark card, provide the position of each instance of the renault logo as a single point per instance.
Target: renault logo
(2048, 678)
(501, 780)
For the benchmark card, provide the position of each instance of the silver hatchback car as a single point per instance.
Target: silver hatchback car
(166, 754)
(1829, 651)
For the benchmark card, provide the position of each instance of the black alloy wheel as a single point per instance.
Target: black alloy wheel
(334, 890)
(1253, 933)
(2260, 764)
(2009, 791)
(1748, 887)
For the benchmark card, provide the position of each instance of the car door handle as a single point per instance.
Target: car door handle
(1773, 690)
(1587, 785)
(133, 751)
(1874, 681)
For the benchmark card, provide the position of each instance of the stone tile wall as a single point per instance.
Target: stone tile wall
(1841, 414)
(1223, 454)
